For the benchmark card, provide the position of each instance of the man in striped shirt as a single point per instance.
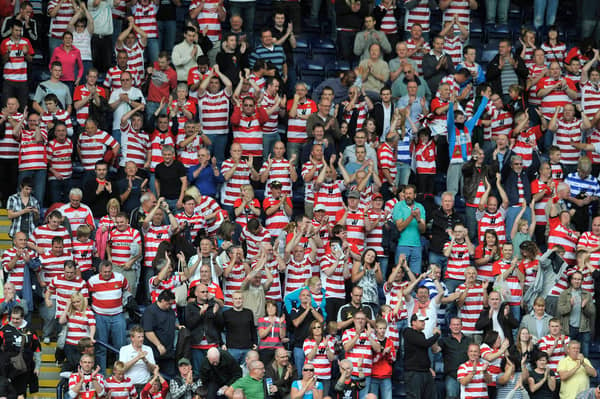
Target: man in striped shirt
(270, 52)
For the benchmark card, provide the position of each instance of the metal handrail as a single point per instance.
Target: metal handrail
(60, 388)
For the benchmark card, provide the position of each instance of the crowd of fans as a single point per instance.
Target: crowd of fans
(232, 231)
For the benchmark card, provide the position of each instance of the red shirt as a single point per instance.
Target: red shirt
(162, 83)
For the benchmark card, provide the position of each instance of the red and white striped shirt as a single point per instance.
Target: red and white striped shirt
(145, 18)
(560, 235)
(121, 242)
(157, 141)
(386, 159)
(60, 115)
(208, 18)
(391, 292)
(121, 389)
(195, 222)
(15, 68)
(274, 292)
(309, 195)
(9, 146)
(214, 112)
(280, 171)
(565, 133)
(321, 362)
(355, 226)
(253, 241)
(77, 216)
(42, 237)
(248, 133)
(512, 282)
(82, 91)
(425, 155)
(270, 126)
(494, 221)
(485, 271)
(59, 23)
(296, 274)
(590, 98)
(537, 187)
(529, 269)
(174, 280)
(78, 326)
(502, 123)
(460, 8)
(153, 236)
(556, 98)
(458, 260)
(278, 220)
(15, 275)
(136, 146)
(375, 237)
(209, 206)
(590, 240)
(453, 46)
(477, 387)
(112, 81)
(389, 25)
(92, 148)
(62, 289)
(233, 282)
(333, 284)
(330, 195)
(32, 153)
(82, 254)
(547, 342)
(473, 306)
(296, 132)
(494, 366)
(555, 52)
(360, 350)
(107, 295)
(593, 137)
(135, 59)
(53, 265)
(188, 155)
(420, 14)
(232, 188)
(533, 97)
(361, 116)
(417, 57)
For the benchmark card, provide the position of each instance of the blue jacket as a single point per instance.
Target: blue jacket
(469, 126)
(294, 298)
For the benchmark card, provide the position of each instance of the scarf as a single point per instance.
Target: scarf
(421, 307)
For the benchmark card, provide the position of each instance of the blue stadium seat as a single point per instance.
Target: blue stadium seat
(488, 55)
(302, 50)
(312, 73)
(333, 69)
(323, 48)
(498, 32)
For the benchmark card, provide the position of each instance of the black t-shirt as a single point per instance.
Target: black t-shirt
(166, 11)
(301, 332)
(277, 34)
(162, 323)
(133, 201)
(543, 392)
(169, 178)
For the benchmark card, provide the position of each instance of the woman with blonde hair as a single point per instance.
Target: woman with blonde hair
(107, 222)
(80, 322)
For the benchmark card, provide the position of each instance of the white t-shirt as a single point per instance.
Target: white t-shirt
(134, 94)
(138, 373)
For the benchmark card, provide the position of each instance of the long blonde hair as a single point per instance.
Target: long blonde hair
(84, 304)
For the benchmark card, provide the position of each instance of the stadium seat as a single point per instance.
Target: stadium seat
(333, 69)
(312, 74)
(323, 50)
(302, 50)
(488, 55)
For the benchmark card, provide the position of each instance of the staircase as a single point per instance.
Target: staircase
(49, 373)
(5, 241)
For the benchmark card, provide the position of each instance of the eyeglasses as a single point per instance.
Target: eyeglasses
(517, 163)
(204, 292)
(311, 370)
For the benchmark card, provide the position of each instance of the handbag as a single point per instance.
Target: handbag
(181, 291)
(17, 362)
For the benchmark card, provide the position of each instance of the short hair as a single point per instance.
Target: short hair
(265, 29)
(189, 28)
(83, 231)
(27, 182)
(164, 54)
(135, 330)
(202, 60)
(187, 198)
(100, 162)
(118, 366)
(467, 48)
(166, 295)
(55, 64)
(76, 192)
(84, 343)
(464, 72)
(168, 148)
(58, 240)
(18, 310)
(51, 97)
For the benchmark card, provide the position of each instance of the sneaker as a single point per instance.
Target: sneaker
(47, 340)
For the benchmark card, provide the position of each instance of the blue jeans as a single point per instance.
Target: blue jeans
(299, 360)
(413, 257)
(38, 178)
(198, 356)
(403, 173)
(238, 354)
(583, 337)
(117, 28)
(471, 223)
(511, 215)
(152, 50)
(48, 315)
(116, 134)
(382, 387)
(452, 388)
(383, 263)
(496, 10)
(439, 260)
(246, 10)
(109, 328)
(166, 35)
(541, 8)
(151, 107)
(58, 190)
(363, 392)
(218, 146)
(269, 141)
(294, 148)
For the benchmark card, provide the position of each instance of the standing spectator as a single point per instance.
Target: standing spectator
(542, 380)
(89, 98)
(41, 239)
(281, 371)
(106, 290)
(577, 312)
(160, 323)
(516, 181)
(554, 344)
(16, 52)
(184, 54)
(99, 191)
(87, 381)
(163, 81)
(133, 40)
(171, 180)
(253, 384)
(9, 147)
(23, 209)
(349, 19)
(33, 161)
(167, 24)
(443, 220)
(473, 375)
(374, 73)
(575, 371)
(93, 144)
(82, 28)
(102, 45)
(124, 250)
(417, 374)
(123, 100)
(506, 69)
(60, 13)
(302, 318)
(455, 349)
(409, 217)
(247, 121)
(79, 321)
(70, 58)
(364, 39)
(25, 19)
(75, 212)
(144, 15)
(537, 321)
(60, 165)
(138, 358)
(555, 91)
(437, 64)
(15, 260)
(270, 52)
(240, 330)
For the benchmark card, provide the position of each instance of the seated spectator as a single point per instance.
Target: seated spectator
(252, 385)
(87, 381)
(156, 388)
(184, 385)
(218, 371)
(282, 373)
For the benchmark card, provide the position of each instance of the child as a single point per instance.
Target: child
(525, 138)
(517, 102)
(55, 113)
(119, 386)
(156, 388)
(381, 372)
(558, 173)
(425, 154)
(83, 251)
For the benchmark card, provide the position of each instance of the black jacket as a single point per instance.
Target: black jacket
(205, 325)
(346, 18)
(507, 323)
(378, 114)
(510, 181)
(284, 386)
(494, 74)
(379, 12)
(440, 222)
(225, 373)
(416, 347)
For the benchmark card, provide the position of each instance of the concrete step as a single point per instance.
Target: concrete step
(44, 393)
(49, 383)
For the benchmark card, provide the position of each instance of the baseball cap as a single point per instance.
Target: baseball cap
(183, 361)
(320, 207)
(354, 194)
(416, 316)
(275, 183)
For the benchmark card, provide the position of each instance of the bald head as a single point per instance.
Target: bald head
(214, 356)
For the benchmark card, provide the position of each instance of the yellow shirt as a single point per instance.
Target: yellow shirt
(580, 381)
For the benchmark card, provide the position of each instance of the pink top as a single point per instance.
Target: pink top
(69, 61)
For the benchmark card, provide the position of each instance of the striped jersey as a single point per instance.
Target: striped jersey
(15, 68)
(494, 221)
(420, 14)
(296, 274)
(214, 112)
(231, 190)
(556, 98)
(9, 146)
(83, 91)
(32, 152)
(145, 18)
(565, 133)
(53, 265)
(157, 141)
(458, 260)
(473, 306)
(78, 326)
(280, 171)
(361, 349)
(60, 22)
(320, 362)
(121, 243)
(16, 274)
(107, 295)
(309, 194)
(42, 237)
(92, 148)
(153, 236)
(62, 289)
(278, 220)
(546, 343)
(296, 131)
(208, 18)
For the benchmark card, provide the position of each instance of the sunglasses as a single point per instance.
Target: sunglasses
(311, 370)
